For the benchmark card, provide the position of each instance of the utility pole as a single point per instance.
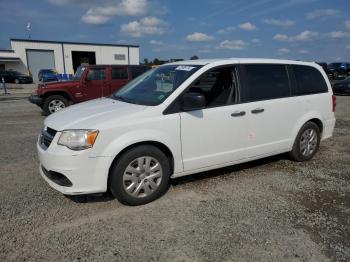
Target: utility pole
(29, 29)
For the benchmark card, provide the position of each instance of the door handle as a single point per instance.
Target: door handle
(238, 113)
(258, 110)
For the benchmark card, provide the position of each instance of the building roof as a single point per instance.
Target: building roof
(69, 43)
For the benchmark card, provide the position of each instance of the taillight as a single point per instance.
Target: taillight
(334, 102)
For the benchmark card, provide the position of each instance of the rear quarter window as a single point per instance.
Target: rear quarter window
(309, 80)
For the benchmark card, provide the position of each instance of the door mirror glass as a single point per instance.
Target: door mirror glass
(193, 101)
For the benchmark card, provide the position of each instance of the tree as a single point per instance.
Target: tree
(145, 61)
(156, 61)
(194, 57)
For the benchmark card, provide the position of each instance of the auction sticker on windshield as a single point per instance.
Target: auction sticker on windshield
(184, 68)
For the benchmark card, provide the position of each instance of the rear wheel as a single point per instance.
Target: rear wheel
(53, 104)
(306, 143)
(140, 175)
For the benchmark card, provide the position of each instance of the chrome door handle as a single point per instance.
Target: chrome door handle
(257, 110)
(238, 113)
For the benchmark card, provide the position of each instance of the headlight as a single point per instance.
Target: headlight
(78, 139)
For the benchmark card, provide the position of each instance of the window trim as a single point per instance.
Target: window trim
(175, 106)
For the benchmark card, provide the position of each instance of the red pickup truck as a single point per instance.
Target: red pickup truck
(89, 82)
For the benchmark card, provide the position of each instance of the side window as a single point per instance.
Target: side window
(263, 81)
(96, 74)
(309, 79)
(119, 73)
(218, 86)
(136, 71)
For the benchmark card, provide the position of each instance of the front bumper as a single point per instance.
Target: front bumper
(35, 99)
(86, 174)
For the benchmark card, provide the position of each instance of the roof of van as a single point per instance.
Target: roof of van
(240, 60)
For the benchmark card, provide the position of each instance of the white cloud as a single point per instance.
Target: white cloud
(198, 37)
(281, 23)
(102, 14)
(322, 13)
(145, 26)
(338, 34)
(280, 37)
(347, 24)
(283, 50)
(232, 44)
(226, 30)
(303, 36)
(303, 51)
(247, 26)
(156, 42)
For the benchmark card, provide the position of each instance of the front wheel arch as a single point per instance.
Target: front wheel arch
(159, 145)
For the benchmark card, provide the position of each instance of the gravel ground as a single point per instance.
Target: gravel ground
(267, 210)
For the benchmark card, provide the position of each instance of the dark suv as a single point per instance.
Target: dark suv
(11, 76)
(89, 82)
(338, 70)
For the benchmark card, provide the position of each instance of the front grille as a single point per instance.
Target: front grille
(46, 137)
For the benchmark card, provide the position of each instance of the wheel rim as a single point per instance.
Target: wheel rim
(308, 142)
(142, 176)
(17, 81)
(56, 105)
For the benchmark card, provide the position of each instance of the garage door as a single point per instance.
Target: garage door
(40, 59)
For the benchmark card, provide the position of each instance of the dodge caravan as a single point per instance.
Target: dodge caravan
(183, 118)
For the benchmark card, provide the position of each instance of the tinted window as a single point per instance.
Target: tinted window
(218, 86)
(309, 80)
(96, 74)
(136, 71)
(119, 73)
(263, 81)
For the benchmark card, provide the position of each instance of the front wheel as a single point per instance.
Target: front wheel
(53, 104)
(306, 143)
(140, 175)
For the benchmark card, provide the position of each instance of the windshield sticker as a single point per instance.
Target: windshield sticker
(184, 68)
(160, 97)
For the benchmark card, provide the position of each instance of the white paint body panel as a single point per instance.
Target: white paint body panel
(198, 140)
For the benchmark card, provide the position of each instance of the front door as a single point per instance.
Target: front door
(96, 83)
(216, 135)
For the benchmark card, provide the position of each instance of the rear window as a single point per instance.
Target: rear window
(309, 80)
(263, 81)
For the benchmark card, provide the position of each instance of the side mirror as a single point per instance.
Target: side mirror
(193, 101)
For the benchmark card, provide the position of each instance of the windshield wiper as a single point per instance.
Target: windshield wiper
(123, 99)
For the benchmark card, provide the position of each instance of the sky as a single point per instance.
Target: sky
(310, 30)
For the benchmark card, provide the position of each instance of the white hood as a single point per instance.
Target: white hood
(89, 115)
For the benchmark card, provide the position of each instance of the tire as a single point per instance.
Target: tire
(130, 179)
(17, 81)
(53, 104)
(305, 147)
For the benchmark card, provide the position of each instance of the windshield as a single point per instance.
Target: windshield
(79, 73)
(335, 65)
(154, 86)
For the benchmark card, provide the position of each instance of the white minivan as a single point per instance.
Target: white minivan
(183, 118)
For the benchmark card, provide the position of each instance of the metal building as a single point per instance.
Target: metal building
(29, 56)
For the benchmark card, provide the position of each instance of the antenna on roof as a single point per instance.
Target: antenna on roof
(29, 29)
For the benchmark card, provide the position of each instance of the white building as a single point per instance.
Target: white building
(28, 55)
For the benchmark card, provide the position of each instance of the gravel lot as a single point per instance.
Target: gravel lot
(267, 210)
